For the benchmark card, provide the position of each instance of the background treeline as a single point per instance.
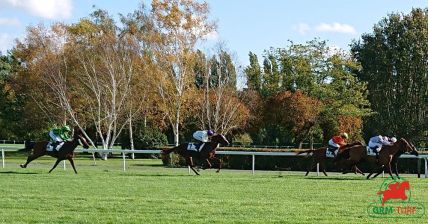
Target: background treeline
(142, 81)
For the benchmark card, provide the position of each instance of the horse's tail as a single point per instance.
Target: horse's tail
(28, 146)
(305, 151)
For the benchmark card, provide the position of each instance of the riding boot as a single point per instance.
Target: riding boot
(377, 156)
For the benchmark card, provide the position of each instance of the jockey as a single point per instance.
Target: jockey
(202, 137)
(58, 136)
(337, 142)
(376, 143)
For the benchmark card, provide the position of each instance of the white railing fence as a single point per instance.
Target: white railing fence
(243, 153)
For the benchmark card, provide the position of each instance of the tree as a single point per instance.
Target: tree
(219, 107)
(319, 73)
(393, 59)
(93, 74)
(111, 74)
(295, 111)
(254, 73)
(177, 27)
(11, 110)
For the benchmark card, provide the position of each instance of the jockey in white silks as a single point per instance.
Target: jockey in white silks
(203, 137)
(376, 143)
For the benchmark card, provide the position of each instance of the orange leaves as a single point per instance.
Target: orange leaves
(293, 109)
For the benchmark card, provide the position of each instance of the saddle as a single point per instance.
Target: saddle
(51, 146)
(194, 147)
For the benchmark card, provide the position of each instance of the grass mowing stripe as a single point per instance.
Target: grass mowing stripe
(150, 193)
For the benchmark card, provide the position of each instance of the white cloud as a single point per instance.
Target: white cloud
(336, 27)
(212, 36)
(6, 42)
(9, 22)
(51, 9)
(302, 28)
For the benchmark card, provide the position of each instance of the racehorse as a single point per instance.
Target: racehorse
(319, 156)
(65, 152)
(206, 154)
(388, 156)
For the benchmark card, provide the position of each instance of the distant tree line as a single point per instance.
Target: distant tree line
(142, 81)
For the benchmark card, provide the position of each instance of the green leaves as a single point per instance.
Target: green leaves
(393, 59)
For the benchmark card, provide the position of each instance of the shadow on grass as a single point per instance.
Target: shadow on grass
(158, 175)
(337, 178)
(154, 165)
(13, 172)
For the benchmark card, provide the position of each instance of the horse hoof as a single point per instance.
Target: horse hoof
(22, 166)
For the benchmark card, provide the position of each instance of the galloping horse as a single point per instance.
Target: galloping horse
(319, 156)
(206, 154)
(388, 156)
(66, 151)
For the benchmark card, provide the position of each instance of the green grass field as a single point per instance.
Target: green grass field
(150, 193)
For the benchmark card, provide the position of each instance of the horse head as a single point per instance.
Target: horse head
(405, 185)
(78, 135)
(219, 138)
(407, 147)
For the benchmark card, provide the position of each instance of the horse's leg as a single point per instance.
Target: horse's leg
(310, 167)
(390, 170)
(322, 167)
(359, 171)
(56, 164)
(209, 164)
(396, 169)
(381, 169)
(191, 165)
(29, 159)
(395, 163)
(72, 164)
(218, 161)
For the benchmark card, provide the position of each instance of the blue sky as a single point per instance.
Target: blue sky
(243, 25)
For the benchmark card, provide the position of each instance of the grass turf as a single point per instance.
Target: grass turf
(150, 193)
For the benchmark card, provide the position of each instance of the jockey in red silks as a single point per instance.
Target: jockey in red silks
(337, 142)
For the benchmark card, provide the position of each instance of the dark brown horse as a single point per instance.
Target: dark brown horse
(319, 156)
(66, 151)
(207, 154)
(388, 156)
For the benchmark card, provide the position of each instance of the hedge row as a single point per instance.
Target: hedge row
(285, 163)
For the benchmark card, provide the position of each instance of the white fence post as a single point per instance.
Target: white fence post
(2, 157)
(253, 163)
(124, 161)
(426, 168)
(318, 169)
(63, 164)
(93, 157)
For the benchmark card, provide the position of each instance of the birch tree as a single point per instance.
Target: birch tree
(178, 26)
(222, 109)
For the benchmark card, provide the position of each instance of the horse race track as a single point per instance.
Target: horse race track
(150, 193)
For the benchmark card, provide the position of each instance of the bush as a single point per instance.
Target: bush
(145, 138)
(243, 139)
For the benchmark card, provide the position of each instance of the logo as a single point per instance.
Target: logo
(395, 201)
